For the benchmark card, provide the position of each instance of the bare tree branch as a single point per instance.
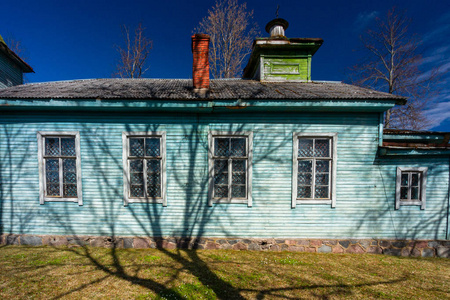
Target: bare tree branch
(134, 53)
(16, 46)
(392, 65)
(232, 33)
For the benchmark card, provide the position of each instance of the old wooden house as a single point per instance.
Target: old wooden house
(270, 161)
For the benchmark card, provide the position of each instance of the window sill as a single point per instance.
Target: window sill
(57, 199)
(232, 201)
(412, 203)
(144, 200)
(313, 202)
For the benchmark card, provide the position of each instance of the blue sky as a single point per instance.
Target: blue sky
(75, 39)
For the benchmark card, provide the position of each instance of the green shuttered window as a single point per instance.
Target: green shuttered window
(230, 167)
(59, 167)
(411, 187)
(144, 164)
(314, 171)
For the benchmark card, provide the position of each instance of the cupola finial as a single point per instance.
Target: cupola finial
(277, 26)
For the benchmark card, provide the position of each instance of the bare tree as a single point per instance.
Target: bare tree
(133, 62)
(232, 32)
(15, 45)
(392, 65)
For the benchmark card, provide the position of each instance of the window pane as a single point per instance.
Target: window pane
(304, 192)
(322, 148)
(70, 177)
(304, 179)
(221, 146)
(52, 177)
(321, 192)
(220, 191)
(238, 178)
(52, 171)
(52, 189)
(137, 178)
(52, 165)
(52, 146)
(154, 165)
(136, 165)
(154, 191)
(152, 147)
(238, 191)
(137, 147)
(404, 181)
(305, 166)
(220, 166)
(322, 179)
(238, 166)
(154, 178)
(414, 193)
(70, 190)
(414, 179)
(137, 191)
(404, 193)
(305, 147)
(238, 147)
(220, 177)
(69, 165)
(68, 146)
(322, 166)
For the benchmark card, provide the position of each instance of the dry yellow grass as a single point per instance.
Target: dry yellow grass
(96, 273)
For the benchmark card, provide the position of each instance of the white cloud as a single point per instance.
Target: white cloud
(439, 113)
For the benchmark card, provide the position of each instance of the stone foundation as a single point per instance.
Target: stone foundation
(415, 248)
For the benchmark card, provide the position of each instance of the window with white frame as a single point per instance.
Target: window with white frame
(314, 175)
(144, 165)
(411, 187)
(230, 167)
(59, 167)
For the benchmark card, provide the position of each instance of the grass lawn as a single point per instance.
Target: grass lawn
(96, 273)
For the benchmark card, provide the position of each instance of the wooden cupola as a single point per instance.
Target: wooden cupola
(278, 58)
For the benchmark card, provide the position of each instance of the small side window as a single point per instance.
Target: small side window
(411, 187)
(59, 167)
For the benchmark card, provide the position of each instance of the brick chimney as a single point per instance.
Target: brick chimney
(200, 68)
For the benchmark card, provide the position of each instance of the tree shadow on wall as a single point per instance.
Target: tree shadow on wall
(103, 194)
(408, 222)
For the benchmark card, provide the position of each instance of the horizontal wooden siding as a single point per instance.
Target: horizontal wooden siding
(365, 184)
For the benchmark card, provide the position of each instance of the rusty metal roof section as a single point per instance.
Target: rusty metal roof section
(181, 89)
(415, 139)
(390, 131)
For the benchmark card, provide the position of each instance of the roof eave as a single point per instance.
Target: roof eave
(16, 59)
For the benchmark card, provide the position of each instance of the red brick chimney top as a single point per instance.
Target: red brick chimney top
(200, 67)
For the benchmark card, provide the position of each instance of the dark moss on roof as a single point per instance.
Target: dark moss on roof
(181, 89)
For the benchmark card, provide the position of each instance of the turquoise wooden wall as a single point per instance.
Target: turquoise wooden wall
(365, 183)
(10, 74)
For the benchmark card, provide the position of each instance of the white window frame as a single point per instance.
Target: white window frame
(126, 168)
(41, 135)
(422, 187)
(333, 138)
(248, 135)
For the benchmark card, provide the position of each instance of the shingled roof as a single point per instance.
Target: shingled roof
(181, 89)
